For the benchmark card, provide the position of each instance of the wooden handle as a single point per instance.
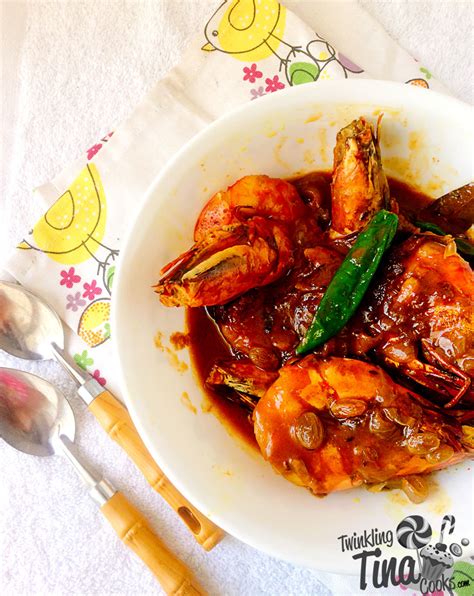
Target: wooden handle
(133, 530)
(116, 421)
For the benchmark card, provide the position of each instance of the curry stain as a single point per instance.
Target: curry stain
(435, 186)
(186, 401)
(175, 362)
(439, 500)
(396, 504)
(206, 405)
(270, 130)
(308, 157)
(400, 168)
(398, 498)
(222, 470)
(323, 139)
(414, 141)
(277, 153)
(300, 140)
(412, 169)
(313, 118)
(173, 359)
(394, 112)
(158, 340)
(179, 340)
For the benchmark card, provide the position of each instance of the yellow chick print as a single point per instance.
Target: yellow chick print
(94, 325)
(249, 30)
(71, 231)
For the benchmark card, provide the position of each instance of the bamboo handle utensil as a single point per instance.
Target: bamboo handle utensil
(116, 421)
(134, 531)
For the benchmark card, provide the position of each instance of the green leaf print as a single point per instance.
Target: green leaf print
(303, 72)
(426, 72)
(83, 360)
(109, 279)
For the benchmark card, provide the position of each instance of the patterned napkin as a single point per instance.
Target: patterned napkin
(246, 50)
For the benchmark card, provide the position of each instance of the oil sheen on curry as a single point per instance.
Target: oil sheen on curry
(331, 319)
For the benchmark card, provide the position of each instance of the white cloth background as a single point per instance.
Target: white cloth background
(71, 71)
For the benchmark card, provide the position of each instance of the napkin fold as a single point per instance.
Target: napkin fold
(70, 254)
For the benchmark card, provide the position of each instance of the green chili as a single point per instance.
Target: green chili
(464, 246)
(350, 282)
(426, 226)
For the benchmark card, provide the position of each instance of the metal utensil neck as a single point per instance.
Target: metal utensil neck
(99, 489)
(89, 388)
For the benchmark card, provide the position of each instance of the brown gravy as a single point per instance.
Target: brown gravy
(207, 345)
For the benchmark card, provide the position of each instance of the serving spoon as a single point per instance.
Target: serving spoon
(37, 419)
(31, 329)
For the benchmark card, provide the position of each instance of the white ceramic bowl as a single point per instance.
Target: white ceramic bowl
(426, 139)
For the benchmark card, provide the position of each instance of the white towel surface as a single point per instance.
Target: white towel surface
(72, 71)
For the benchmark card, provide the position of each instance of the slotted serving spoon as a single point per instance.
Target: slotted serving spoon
(31, 329)
(37, 419)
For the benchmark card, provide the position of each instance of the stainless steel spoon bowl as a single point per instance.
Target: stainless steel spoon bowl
(33, 413)
(28, 325)
(37, 419)
(31, 329)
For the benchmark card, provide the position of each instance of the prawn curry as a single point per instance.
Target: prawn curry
(332, 316)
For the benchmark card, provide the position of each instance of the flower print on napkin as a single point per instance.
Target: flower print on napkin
(69, 278)
(251, 73)
(92, 151)
(74, 301)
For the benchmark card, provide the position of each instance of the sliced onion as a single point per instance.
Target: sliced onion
(450, 250)
(377, 488)
(470, 233)
(416, 488)
(468, 436)
(297, 471)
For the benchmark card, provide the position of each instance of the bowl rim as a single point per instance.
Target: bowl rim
(316, 93)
